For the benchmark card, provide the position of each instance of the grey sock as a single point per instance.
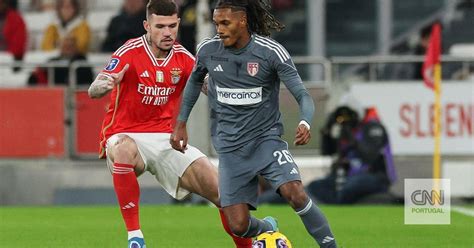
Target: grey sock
(256, 227)
(317, 225)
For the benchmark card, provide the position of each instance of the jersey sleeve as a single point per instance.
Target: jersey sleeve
(286, 70)
(118, 60)
(193, 86)
(190, 66)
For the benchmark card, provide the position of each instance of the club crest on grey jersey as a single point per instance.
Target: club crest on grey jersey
(252, 68)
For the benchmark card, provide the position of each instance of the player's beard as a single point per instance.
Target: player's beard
(156, 45)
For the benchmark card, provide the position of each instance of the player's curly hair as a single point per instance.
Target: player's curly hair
(260, 20)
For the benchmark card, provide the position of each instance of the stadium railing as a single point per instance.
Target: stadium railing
(83, 117)
(373, 65)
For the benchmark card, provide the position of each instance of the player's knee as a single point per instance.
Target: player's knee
(125, 150)
(240, 227)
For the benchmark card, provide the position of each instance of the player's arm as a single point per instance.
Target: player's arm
(289, 75)
(104, 83)
(306, 106)
(179, 138)
(205, 84)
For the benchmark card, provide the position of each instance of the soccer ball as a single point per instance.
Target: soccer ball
(271, 240)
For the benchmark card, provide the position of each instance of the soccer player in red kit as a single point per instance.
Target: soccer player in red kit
(146, 77)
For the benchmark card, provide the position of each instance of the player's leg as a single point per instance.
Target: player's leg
(238, 186)
(240, 242)
(243, 224)
(126, 164)
(201, 178)
(313, 219)
(283, 174)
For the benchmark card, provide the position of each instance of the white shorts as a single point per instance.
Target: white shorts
(161, 160)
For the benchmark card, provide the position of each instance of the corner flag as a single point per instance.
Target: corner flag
(432, 60)
(432, 78)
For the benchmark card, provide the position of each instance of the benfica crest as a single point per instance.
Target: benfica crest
(175, 75)
(252, 68)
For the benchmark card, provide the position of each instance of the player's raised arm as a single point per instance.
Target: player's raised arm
(104, 83)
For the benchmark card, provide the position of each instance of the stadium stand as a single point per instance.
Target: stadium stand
(38, 21)
(462, 50)
(30, 61)
(100, 20)
(12, 78)
(103, 5)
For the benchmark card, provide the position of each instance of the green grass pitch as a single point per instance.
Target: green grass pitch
(199, 226)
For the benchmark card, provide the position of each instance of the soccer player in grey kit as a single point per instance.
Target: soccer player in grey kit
(245, 67)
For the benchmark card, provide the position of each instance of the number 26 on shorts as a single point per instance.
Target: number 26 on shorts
(283, 157)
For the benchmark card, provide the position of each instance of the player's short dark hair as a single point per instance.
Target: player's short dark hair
(161, 7)
(260, 20)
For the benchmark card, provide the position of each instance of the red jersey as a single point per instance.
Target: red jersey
(148, 97)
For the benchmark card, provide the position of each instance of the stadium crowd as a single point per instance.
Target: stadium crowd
(97, 26)
(44, 29)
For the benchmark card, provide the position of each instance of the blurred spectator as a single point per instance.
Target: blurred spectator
(13, 34)
(187, 26)
(69, 22)
(364, 163)
(338, 124)
(69, 53)
(126, 25)
(14, 4)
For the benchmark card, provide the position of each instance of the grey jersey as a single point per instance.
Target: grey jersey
(244, 90)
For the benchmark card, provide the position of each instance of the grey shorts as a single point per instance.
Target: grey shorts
(238, 170)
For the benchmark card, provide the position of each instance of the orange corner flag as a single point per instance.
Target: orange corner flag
(432, 56)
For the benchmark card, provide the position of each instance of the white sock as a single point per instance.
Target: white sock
(135, 233)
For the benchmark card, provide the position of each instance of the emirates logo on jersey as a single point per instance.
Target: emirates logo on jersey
(155, 95)
(252, 68)
(175, 75)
